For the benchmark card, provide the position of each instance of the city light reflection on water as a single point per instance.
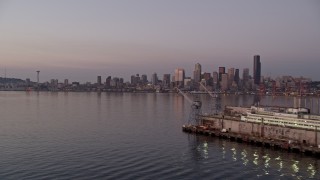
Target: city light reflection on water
(244, 157)
(267, 162)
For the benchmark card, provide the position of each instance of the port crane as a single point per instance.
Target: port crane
(213, 96)
(195, 109)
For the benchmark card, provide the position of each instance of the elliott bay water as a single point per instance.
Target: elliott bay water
(57, 135)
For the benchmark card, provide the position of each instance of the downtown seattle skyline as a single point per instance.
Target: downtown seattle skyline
(79, 40)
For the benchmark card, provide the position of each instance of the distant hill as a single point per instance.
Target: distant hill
(10, 80)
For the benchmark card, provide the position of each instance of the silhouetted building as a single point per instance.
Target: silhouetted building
(144, 79)
(222, 70)
(230, 76)
(224, 82)
(99, 80)
(166, 80)
(237, 76)
(138, 80)
(66, 82)
(154, 79)
(207, 78)
(215, 79)
(256, 69)
(28, 82)
(197, 73)
(245, 75)
(133, 80)
(108, 82)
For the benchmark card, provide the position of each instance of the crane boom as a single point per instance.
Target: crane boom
(185, 96)
(210, 93)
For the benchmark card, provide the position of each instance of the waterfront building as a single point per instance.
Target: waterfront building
(256, 69)
(28, 82)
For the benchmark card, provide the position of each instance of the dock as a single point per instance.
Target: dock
(283, 144)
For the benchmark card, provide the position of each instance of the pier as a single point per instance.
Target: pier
(283, 144)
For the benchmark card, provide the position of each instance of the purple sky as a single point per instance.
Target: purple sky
(80, 39)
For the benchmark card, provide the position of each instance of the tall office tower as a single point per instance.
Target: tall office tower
(245, 75)
(224, 82)
(256, 69)
(230, 76)
(108, 81)
(144, 78)
(207, 78)
(215, 78)
(99, 80)
(166, 80)
(237, 76)
(115, 82)
(133, 80)
(138, 80)
(66, 82)
(197, 73)
(222, 70)
(179, 75)
(154, 79)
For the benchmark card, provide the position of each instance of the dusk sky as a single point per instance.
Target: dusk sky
(81, 39)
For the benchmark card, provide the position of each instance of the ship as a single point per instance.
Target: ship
(282, 116)
(282, 127)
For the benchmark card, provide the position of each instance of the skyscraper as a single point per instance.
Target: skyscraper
(237, 76)
(224, 82)
(144, 78)
(99, 80)
(133, 80)
(215, 78)
(197, 73)
(66, 82)
(108, 81)
(179, 76)
(222, 70)
(256, 69)
(166, 80)
(245, 78)
(154, 79)
(230, 76)
(245, 75)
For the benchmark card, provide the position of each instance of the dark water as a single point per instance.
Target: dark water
(129, 136)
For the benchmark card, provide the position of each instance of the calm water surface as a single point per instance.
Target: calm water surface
(130, 136)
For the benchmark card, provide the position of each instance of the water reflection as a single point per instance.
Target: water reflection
(268, 162)
(179, 107)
